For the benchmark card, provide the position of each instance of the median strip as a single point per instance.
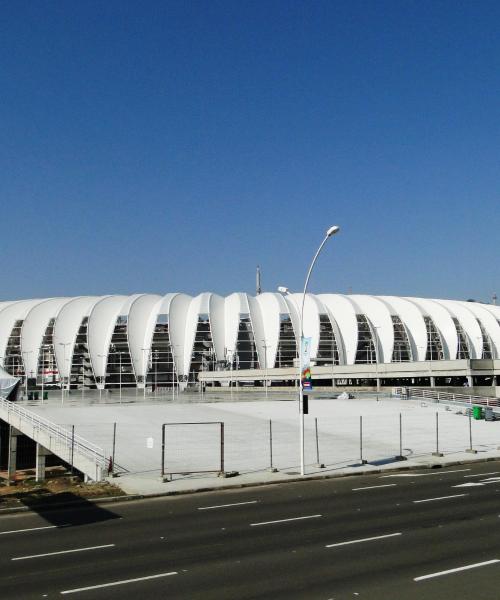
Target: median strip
(369, 539)
(439, 498)
(465, 568)
(122, 582)
(284, 520)
(63, 552)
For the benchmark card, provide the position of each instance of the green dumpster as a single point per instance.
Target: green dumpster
(35, 395)
(30, 395)
(45, 395)
(477, 412)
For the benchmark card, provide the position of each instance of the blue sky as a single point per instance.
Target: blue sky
(173, 146)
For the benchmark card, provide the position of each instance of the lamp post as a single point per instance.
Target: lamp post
(329, 233)
(103, 377)
(25, 369)
(265, 346)
(63, 344)
(144, 369)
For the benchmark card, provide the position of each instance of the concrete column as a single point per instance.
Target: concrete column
(12, 465)
(41, 454)
(433, 381)
(469, 381)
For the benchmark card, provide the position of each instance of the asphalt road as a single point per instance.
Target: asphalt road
(413, 535)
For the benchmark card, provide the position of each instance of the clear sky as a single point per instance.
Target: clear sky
(173, 146)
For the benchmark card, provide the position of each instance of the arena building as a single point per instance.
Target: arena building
(153, 341)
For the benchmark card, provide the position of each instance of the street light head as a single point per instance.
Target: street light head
(283, 290)
(332, 231)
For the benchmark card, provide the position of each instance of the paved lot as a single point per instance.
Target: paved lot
(247, 436)
(427, 534)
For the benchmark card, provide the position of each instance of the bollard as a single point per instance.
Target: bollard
(72, 447)
(113, 474)
(400, 455)
(271, 468)
(437, 453)
(318, 464)
(362, 460)
(470, 449)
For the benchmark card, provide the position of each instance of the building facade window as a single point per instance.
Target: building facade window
(402, 349)
(13, 361)
(203, 348)
(487, 351)
(245, 356)
(160, 364)
(47, 370)
(366, 352)
(463, 350)
(119, 369)
(286, 352)
(327, 346)
(434, 342)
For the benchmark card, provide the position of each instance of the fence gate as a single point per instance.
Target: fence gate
(192, 448)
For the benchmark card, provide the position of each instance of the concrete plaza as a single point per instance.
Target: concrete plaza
(250, 420)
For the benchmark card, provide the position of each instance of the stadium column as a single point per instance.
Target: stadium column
(12, 464)
(41, 454)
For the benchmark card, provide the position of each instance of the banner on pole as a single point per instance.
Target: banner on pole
(305, 363)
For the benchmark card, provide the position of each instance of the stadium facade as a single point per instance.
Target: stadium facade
(151, 341)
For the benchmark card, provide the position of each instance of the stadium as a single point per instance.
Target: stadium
(177, 341)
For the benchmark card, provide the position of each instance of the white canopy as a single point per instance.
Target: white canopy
(7, 383)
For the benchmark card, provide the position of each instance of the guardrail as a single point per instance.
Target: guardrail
(432, 394)
(68, 446)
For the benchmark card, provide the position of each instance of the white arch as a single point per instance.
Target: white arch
(414, 323)
(343, 312)
(140, 330)
(379, 316)
(488, 321)
(17, 311)
(469, 324)
(443, 322)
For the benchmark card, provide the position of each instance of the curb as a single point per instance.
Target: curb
(236, 486)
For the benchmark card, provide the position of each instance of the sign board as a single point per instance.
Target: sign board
(305, 363)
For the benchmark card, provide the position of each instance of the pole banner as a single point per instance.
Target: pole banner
(305, 363)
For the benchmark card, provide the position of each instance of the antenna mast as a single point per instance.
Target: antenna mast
(258, 287)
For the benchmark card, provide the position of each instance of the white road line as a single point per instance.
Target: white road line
(374, 487)
(378, 537)
(474, 566)
(31, 529)
(227, 505)
(483, 474)
(439, 498)
(63, 552)
(285, 520)
(122, 582)
(436, 472)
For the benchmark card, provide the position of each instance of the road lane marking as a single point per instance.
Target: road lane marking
(378, 537)
(227, 505)
(374, 487)
(465, 568)
(30, 529)
(437, 472)
(63, 552)
(486, 481)
(122, 582)
(285, 520)
(439, 498)
(483, 474)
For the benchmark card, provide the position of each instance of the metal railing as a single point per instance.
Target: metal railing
(62, 437)
(433, 394)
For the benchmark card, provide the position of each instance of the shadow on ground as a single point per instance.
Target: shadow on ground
(64, 509)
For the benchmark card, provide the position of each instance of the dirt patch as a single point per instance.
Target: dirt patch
(56, 488)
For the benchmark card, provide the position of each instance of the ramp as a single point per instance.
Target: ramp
(85, 456)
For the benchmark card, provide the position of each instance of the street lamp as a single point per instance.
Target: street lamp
(25, 369)
(329, 233)
(265, 346)
(63, 344)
